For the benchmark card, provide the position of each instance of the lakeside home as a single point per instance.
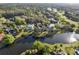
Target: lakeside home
(1, 36)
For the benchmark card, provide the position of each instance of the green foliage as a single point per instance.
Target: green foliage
(69, 50)
(8, 39)
(0, 15)
(22, 34)
(1, 30)
(37, 15)
(38, 45)
(41, 34)
(19, 20)
(30, 52)
(2, 20)
(42, 48)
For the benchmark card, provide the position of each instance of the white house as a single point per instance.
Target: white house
(51, 25)
(54, 10)
(30, 26)
(53, 20)
(49, 9)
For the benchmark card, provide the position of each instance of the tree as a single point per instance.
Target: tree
(69, 50)
(19, 20)
(8, 39)
(0, 15)
(2, 20)
(1, 30)
(38, 45)
(42, 48)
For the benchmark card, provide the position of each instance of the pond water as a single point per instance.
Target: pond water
(63, 38)
(58, 38)
(20, 45)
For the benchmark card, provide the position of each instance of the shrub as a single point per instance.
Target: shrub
(38, 45)
(19, 21)
(42, 48)
(69, 50)
(1, 30)
(8, 39)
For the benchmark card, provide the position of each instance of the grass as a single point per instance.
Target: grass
(22, 34)
(67, 48)
(41, 34)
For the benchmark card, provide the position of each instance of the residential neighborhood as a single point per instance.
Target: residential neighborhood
(39, 29)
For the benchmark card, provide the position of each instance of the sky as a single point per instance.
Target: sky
(39, 1)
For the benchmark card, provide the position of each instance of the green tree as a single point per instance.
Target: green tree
(0, 15)
(69, 50)
(2, 20)
(1, 30)
(38, 45)
(8, 39)
(19, 20)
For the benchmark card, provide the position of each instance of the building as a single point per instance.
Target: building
(49, 9)
(30, 26)
(1, 36)
(52, 20)
(11, 31)
(51, 26)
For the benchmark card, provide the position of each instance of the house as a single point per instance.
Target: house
(44, 28)
(51, 26)
(10, 30)
(20, 26)
(49, 9)
(52, 20)
(24, 17)
(12, 19)
(55, 10)
(49, 16)
(1, 36)
(30, 26)
(39, 26)
(59, 53)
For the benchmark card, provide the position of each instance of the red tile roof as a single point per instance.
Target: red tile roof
(1, 36)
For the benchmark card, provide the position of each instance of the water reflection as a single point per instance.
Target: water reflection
(57, 38)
